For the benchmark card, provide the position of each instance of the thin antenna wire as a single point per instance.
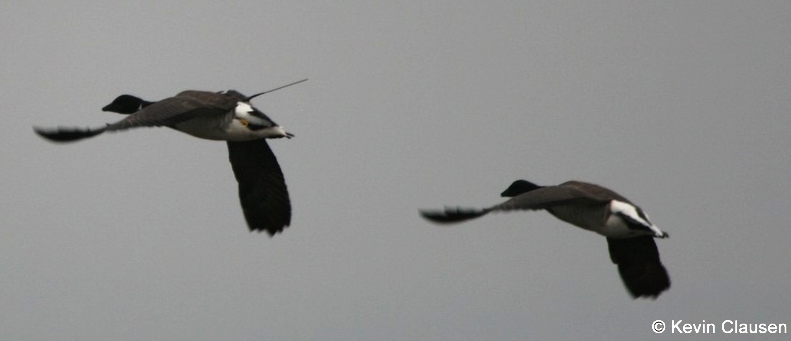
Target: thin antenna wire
(268, 91)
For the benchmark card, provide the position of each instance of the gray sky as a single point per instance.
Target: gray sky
(681, 106)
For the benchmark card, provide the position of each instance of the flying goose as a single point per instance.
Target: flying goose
(227, 116)
(630, 235)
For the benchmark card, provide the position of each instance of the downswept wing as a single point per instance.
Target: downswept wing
(262, 187)
(639, 266)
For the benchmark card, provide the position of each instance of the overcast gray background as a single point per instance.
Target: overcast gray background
(681, 106)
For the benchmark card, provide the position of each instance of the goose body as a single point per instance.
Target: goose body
(226, 116)
(630, 234)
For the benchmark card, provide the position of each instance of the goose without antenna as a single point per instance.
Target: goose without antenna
(630, 234)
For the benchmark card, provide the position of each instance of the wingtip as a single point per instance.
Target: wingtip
(650, 293)
(651, 284)
(62, 134)
(270, 231)
(639, 266)
(451, 214)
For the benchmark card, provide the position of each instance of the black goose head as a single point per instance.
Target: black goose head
(126, 104)
(519, 187)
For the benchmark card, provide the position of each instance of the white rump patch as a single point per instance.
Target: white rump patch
(629, 210)
(243, 109)
(276, 131)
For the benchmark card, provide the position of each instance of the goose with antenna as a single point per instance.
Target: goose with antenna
(226, 116)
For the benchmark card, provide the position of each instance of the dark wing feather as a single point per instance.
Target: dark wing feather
(262, 188)
(167, 112)
(537, 199)
(219, 100)
(593, 191)
(638, 263)
(70, 134)
(452, 214)
(543, 198)
(235, 95)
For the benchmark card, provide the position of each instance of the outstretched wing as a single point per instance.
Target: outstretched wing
(639, 266)
(537, 199)
(262, 187)
(171, 111)
(167, 112)
(545, 197)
